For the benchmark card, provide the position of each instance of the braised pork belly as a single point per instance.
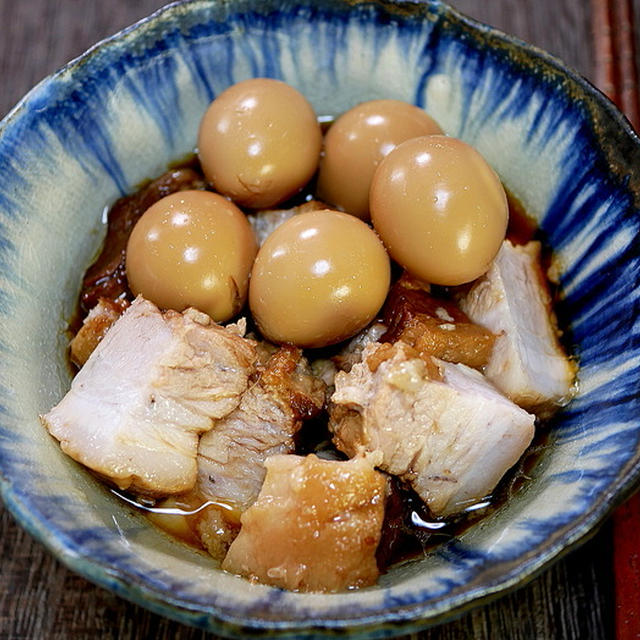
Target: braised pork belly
(156, 381)
(512, 300)
(282, 394)
(281, 463)
(448, 433)
(314, 527)
(434, 325)
(94, 327)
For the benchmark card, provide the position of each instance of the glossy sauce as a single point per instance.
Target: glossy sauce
(178, 515)
(409, 531)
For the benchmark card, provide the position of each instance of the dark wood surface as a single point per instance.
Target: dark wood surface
(39, 598)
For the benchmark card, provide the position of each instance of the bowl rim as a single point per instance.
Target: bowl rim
(417, 616)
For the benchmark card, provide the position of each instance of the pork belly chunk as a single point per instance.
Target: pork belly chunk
(348, 355)
(216, 529)
(434, 326)
(94, 327)
(283, 394)
(314, 527)
(441, 427)
(270, 413)
(527, 362)
(156, 381)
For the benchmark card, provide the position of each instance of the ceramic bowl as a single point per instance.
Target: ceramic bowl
(131, 105)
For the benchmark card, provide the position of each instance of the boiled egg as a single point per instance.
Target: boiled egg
(192, 249)
(318, 279)
(356, 143)
(440, 209)
(259, 142)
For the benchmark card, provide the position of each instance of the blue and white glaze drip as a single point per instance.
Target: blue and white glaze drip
(132, 105)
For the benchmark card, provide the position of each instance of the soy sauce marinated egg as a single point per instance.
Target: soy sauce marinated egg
(192, 249)
(318, 279)
(356, 143)
(440, 209)
(259, 142)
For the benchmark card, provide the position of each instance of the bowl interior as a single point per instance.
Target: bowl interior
(132, 105)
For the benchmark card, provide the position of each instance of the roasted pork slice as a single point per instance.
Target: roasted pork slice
(271, 411)
(434, 326)
(156, 381)
(268, 220)
(94, 327)
(512, 300)
(315, 525)
(441, 427)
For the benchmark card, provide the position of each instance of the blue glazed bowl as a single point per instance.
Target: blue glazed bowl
(131, 105)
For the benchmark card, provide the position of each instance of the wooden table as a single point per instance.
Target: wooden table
(39, 598)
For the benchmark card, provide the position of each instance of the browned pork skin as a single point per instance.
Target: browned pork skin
(314, 527)
(434, 326)
(94, 327)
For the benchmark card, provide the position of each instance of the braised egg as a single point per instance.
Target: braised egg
(192, 249)
(356, 143)
(318, 279)
(259, 142)
(440, 209)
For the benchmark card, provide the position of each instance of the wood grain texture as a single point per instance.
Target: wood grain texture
(627, 68)
(39, 598)
(626, 564)
(561, 27)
